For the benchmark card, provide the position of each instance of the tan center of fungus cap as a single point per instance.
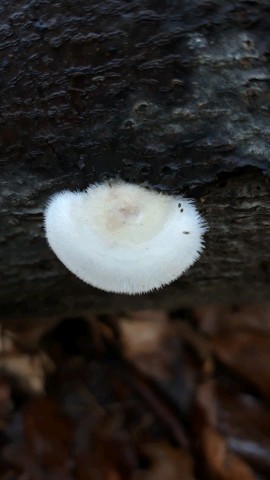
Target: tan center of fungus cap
(124, 214)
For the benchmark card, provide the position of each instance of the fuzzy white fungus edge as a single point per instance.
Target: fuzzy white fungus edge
(124, 238)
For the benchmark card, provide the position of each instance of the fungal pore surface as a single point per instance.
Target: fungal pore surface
(122, 237)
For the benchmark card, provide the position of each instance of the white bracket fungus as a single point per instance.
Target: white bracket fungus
(122, 237)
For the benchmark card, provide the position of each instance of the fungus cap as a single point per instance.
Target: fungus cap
(122, 237)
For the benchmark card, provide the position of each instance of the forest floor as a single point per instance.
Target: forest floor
(140, 396)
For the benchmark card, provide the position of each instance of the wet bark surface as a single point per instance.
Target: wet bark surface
(169, 94)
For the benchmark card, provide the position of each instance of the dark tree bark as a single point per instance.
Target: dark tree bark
(171, 93)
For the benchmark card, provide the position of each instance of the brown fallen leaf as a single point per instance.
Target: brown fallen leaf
(246, 424)
(221, 463)
(106, 449)
(28, 369)
(145, 338)
(219, 318)
(5, 402)
(44, 450)
(239, 417)
(27, 335)
(165, 463)
(206, 408)
(248, 355)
